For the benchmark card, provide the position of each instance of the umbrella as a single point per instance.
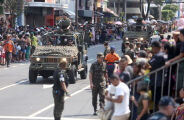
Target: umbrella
(151, 16)
(153, 22)
(118, 23)
(180, 23)
(131, 21)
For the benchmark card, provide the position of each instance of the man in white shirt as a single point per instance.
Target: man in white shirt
(121, 100)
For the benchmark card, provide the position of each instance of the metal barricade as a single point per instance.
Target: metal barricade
(176, 68)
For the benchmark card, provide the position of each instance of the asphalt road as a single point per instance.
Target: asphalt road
(20, 100)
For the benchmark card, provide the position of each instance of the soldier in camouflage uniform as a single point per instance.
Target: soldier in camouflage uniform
(98, 79)
(107, 48)
(59, 90)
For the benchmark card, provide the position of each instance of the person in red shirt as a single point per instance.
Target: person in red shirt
(9, 47)
(111, 58)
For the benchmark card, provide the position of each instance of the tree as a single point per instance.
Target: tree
(15, 7)
(169, 11)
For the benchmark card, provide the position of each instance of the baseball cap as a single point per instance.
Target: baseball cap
(112, 48)
(166, 100)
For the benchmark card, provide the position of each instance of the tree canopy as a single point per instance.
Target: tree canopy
(169, 11)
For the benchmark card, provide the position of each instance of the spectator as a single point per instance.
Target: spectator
(143, 102)
(121, 100)
(180, 100)
(34, 42)
(8, 46)
(156, 62)
(166, 109)
(121, 70)
(180, 80)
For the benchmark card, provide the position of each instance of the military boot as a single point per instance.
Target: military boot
(57, 118)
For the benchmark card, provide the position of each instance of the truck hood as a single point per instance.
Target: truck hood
(59, 51)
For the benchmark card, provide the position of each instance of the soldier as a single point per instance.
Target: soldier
(59, 90)
(65, 23)
(107, 48)
(98, 76)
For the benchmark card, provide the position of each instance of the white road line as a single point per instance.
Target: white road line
(40, 118)
(12, 85)
(51, 105)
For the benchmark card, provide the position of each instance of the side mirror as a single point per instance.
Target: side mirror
(80, 48)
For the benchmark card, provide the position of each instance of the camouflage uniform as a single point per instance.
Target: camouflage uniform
(58, 93)
(98, 72)
(107, 50)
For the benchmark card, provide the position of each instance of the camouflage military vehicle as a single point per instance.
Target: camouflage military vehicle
(69, 47)
(139, 32)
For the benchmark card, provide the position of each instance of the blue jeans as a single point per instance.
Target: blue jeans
(110, 69)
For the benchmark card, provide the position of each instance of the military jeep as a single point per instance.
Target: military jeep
(56, 48)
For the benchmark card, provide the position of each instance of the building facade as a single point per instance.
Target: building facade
(40, 12)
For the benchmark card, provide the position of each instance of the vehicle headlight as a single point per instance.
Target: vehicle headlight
(64, 60)
(126, 38)
(37, 59)
(141, 39)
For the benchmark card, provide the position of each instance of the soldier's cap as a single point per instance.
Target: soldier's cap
(166, 101)
(100, 55)
(127, 42)
(138, 42)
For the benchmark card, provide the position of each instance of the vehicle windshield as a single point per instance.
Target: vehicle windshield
(59, 40)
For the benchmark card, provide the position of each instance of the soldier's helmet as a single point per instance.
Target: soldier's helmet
(64, 24)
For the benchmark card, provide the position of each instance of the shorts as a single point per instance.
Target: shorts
(23, 50)
(122, 117)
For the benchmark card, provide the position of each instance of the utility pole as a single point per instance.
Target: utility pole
(125, 9)
(76, 14)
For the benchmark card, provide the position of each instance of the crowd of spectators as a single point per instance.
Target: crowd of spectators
(24, 40)
(139, 59)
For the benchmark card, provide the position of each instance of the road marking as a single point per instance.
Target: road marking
(14, 66)
(41, 118)
(52, 105)
(12, 85)
(47, 86)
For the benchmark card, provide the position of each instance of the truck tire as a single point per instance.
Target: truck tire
(83, 74)
(72, 75)
(32, 76)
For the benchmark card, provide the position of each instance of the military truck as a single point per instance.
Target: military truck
(140, 32)
(56, 48)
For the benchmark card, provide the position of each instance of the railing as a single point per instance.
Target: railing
(166, 77)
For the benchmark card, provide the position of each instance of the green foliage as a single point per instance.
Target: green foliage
(15, 7)
(172, 7)
(168, 11)
(167, 14)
